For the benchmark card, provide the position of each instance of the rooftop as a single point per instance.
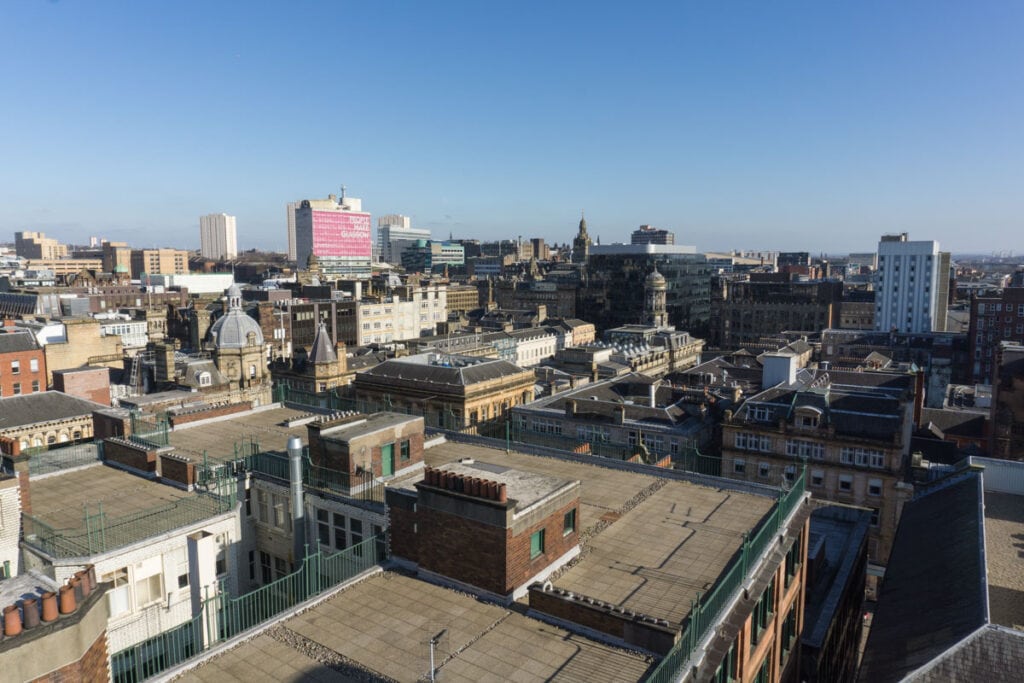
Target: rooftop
(96, 509)
(43, 406)
(1004, 529)
(366, 424)
(384, 623)
(652, 543)
(524, 488)
(216, 438)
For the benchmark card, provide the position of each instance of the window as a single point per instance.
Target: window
(762, 612)
(280, 568)
(282, 515)
(148, 590)
(764, 469)
(119, 596)
(261, 505)
(790, 473)
(403, 450)
(569, 522)
(33, 365)
(805, 449)
(793, 560)
(323, 527)
(536, 544)
(875, 516)
(252, 565)
(761, 413)
(788, 636)
(266, 573)
(845, 482)
(15, 367)
(726, 671)
(739, 466)
(179, 559)
(16, 388)
(753, 442)
(356, 527)
(35, 385)
(340, 534)
(817, 478)
(874, 487)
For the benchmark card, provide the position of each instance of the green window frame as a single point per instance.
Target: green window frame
(569, 523)
(403, 450)
(536, 544)
(762, 613)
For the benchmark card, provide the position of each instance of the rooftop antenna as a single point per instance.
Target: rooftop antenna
(433, 644)
(342, 201)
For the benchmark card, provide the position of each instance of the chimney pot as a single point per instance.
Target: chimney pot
(502, 493)
(83, 577)
(49, 606)
(92, 576)
(30, 612)
(76, 583)
(67, 599)
(12, 621)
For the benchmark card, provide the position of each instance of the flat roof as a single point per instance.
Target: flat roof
(367, 424)
(523, 487)
(1004, 525)
(217, 437)
(384, 624)
(654, 542)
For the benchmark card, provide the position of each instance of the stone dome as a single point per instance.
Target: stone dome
(656, 280)
(232, 330)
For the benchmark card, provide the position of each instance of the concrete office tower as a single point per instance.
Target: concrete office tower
(395, 235)
(36, 245)
(290, 212)
(337, 231)
(910, 285)
(647, 234)
(217, 236)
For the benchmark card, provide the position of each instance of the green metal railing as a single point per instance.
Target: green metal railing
(100, 533)
(147, 431)
(222, 617)
(44, 461)
(707, 610)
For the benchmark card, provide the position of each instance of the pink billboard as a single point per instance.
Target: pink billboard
(341, 233)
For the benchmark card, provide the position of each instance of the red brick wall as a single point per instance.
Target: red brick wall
(177, 469)
(415, 437)
(131, 455)
(479, 554)
(346, 458)
(106, 426)
(25, 376)
(462, 549)
(93, 385)
(519, 568)
(402, 534)
(91, 667)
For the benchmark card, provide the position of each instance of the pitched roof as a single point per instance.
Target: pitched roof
(937, 561)
(45, 406)
(992, 653)
(13, 342)
(460, 371)
(323, 348)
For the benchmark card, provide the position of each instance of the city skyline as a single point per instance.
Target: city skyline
(789, 127)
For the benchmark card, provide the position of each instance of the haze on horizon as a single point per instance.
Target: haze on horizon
(794, 126)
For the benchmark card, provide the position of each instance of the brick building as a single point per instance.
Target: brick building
(1007, 416)
(761, 304)
(377, 445)
(494, 529)
(851, 429)
(92, 384)
(44, 419)
(22, 363)
(994, 319)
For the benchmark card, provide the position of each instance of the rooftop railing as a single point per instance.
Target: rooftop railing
(708, 609)
(222, 617)
(100, 533)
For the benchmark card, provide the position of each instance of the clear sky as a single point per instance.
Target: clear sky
(757, 125)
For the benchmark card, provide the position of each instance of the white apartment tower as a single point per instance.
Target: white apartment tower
(217, 236)
(910, 285)
(290, 211)
(395, 234)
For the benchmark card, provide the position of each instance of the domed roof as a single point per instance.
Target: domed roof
(232, 330)
(655, 279)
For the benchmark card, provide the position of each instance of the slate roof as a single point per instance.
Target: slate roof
(963, 423)
(13, 342)
(417, 368)
(992, 654)
(934, 592)
(323, 348)
(45, 406)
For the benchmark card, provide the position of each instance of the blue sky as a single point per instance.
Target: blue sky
(789, 125)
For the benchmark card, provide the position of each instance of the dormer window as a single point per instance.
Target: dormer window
(808, 417)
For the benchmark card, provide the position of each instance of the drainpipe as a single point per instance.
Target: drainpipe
(298, 505)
